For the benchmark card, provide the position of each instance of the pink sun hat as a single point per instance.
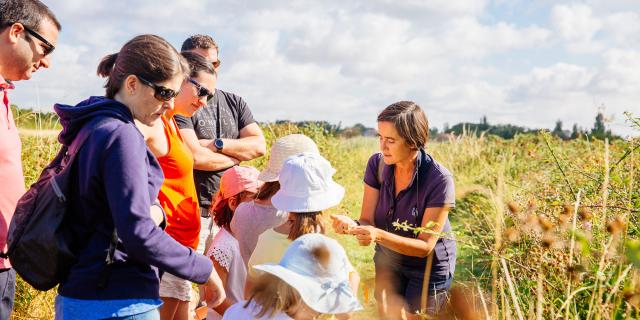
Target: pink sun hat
(236, 180)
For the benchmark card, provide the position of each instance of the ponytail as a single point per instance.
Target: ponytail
(106, 65)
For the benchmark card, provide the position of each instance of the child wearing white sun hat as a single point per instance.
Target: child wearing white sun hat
(255, 217)
(310, 280)
(306, 189)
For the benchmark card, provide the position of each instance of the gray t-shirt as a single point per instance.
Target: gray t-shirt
(250, 220)
(234, 116)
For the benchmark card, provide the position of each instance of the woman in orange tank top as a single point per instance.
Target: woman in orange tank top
(178, 195)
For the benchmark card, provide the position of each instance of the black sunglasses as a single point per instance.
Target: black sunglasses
(48, 47)
(161, 93)
(202, 91)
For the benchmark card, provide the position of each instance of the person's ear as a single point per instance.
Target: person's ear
(233, 202)
(131, 85)
(15, 30)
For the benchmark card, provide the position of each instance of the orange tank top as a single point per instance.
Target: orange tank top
(178, 195)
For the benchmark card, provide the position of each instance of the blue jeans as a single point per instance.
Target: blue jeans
(149, 315)
(7, 292)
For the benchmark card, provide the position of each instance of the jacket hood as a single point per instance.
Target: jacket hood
(72, 118)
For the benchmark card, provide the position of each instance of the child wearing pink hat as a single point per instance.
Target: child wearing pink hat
(237, 185)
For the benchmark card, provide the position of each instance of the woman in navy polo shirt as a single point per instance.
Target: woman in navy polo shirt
(404, 183)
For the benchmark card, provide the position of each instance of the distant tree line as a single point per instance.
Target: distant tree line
(27, 118)
(506, 131)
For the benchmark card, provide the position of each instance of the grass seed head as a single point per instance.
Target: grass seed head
(567, 209)
(513, 207)
(616, 226)
(585, 213)
(545, 223)
(512, 234)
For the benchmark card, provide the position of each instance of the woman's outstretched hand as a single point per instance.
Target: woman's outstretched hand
(365, 234)
(341, 223)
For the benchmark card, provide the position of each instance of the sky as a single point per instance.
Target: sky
(528, 63)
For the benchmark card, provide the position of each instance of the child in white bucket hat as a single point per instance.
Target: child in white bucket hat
(255, 217)
(306, 189)
(310, 280)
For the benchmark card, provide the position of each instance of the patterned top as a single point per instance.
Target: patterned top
(226, 251)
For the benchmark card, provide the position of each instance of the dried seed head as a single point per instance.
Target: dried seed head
(585, 213)
(567, 209)
(513, 207)
(547, 242)
(550, 241)
(531, 223)
(512, 234)
(616, 226)
(563, 219)
(632, 297)
(545, 223)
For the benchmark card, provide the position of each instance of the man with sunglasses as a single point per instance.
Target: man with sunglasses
(220, 135)
(28, 33)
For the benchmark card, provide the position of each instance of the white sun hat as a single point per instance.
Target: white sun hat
(318, 268)
(306, 185)
(282, 149)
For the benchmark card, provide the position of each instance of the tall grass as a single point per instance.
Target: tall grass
(546, 229)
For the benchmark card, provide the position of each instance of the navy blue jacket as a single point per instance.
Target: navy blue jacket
(117, 180)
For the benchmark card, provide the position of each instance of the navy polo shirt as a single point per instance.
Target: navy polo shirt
(431, 187)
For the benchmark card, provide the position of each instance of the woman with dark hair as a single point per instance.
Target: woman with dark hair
(404, 183)
(178, 195)
(116, 187)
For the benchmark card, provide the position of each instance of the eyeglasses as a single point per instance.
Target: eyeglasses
(161, 93)
(202, 91)
(48, 47)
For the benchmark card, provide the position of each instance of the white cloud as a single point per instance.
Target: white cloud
(620, 73)
(551, 83)
(623, 28)
(576, 24)
(344, 60)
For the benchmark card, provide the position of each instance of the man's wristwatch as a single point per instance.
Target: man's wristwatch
(219, 144)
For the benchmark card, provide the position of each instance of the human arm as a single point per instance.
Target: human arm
(419, 247)
(204, 158)
(224, 274)
(124, 169)
(342, 223)
(250, 145)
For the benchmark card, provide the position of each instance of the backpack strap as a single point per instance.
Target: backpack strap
(70, 155)
(85, 132)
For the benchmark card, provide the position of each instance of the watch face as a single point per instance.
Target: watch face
(219, 143)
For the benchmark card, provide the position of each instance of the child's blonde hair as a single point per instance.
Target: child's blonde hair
(274, 296)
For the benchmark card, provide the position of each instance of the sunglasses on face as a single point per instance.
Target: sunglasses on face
(202, 91)
(47, 46)
(161, 93)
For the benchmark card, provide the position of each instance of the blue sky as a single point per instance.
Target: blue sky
(523, 62)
